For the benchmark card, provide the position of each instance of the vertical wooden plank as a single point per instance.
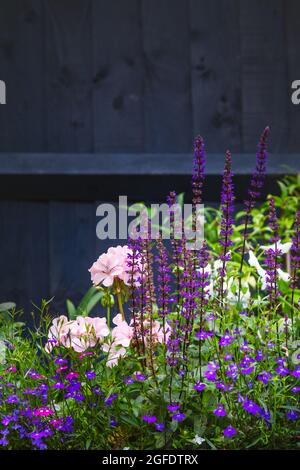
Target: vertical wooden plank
(21, 52)
(168, 124)
(24, 253)
(69, 129)
(68, 75)
(292, 27)
(264, 72)
(72, 250)
(216, 80)
(117, 76)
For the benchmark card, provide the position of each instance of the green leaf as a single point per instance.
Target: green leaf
(82, 307)
(72, 312)
(94, 300)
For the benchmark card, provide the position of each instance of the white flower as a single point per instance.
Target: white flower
(283, 247)
(218, 265)
(253, 261)
(198, 440)
(3, 349)
(233, 294)
(283, 275)
(284, 324)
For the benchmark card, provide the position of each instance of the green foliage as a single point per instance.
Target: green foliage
(108, 412)
(87, 303)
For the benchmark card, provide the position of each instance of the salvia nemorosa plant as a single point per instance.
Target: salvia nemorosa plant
(254, 192)
(273, 255)
(295, 263)
(226, 226)
(196, 358)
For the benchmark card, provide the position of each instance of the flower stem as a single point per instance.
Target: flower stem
(120, 304)
(108, 314)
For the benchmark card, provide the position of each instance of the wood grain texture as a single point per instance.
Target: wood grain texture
(117, 76)
(216, 73)
(264, 72)
(292, 28)
(21, 67)
(72, 237)
(24, 274)
(167, 93)
(68, 75)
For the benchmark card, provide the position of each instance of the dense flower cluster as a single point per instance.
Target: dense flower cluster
(201, 348)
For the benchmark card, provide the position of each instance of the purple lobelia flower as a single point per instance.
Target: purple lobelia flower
(173, 407)
(149, 418)
(265, 377)
(160, 427)
(283, 371)
(12, 399)
(90, 374)
(226, 339)
(111, 398)
(199, 387)
(203, 334)
(232, 371)
(113, 422)
(266, 416)
(178, 417)
(229, 432)
(220, 411)
(296, 373)
(140, 377)
(251, 407)
(128, 380)
(60, 361)
(3, 442)
(292, 415)
(210, 375)
(58, 385)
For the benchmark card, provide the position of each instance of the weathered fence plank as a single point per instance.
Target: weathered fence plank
(167, 93)
(265, 85)
(292, 28)
(71, 250)
(216, 73)
(24, 273)
(118, 120)
(68, 76)
(21, 59)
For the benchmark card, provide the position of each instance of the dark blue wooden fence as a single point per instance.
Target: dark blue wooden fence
(104, 98)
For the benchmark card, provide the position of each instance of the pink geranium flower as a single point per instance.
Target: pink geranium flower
(114, 353)
(109, 266)
(79, 334)
(122, 333)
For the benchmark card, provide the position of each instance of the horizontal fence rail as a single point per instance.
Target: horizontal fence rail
(136, 164)
(89, 177)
